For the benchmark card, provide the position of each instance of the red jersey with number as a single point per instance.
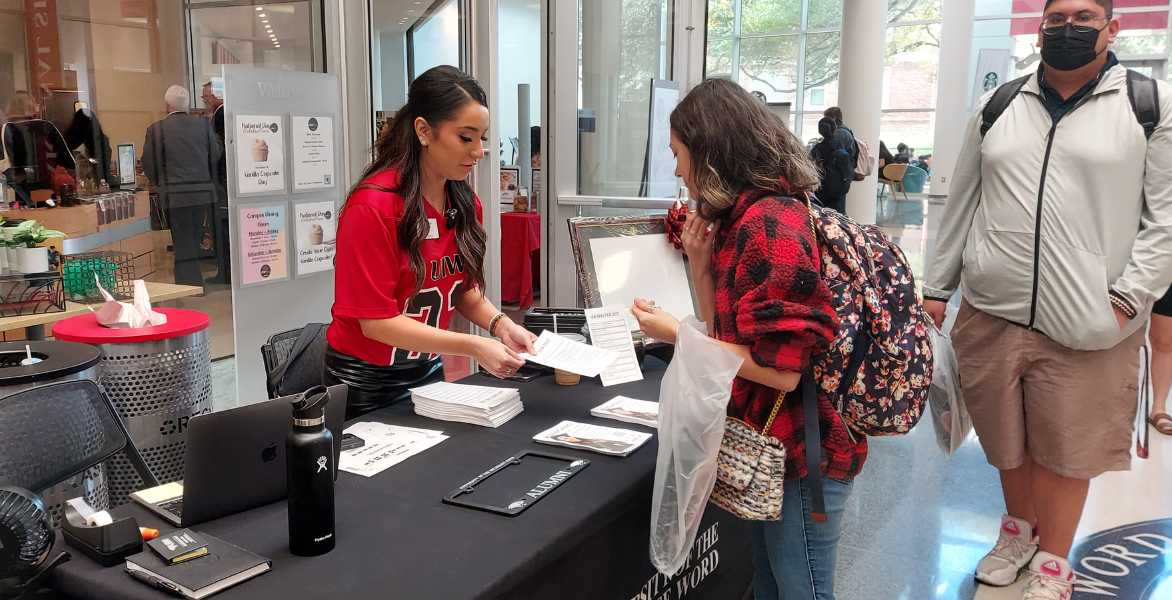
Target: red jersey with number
(373, 275)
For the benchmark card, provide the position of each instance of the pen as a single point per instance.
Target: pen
(155, 582)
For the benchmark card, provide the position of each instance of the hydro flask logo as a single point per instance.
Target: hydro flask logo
(321, 464)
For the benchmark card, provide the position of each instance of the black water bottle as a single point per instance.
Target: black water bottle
(309, 467)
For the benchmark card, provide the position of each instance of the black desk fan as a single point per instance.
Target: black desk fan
(47, 435)
(26, 536)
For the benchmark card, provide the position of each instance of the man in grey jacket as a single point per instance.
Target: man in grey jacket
(180, 156)
(1058, 231)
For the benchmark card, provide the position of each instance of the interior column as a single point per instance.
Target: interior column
(952, 110)
(860, 90)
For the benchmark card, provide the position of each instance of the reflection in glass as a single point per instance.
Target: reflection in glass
(437, 41)
(239, 35)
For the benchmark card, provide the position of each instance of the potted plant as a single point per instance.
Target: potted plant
(33, 258)
(9, 246)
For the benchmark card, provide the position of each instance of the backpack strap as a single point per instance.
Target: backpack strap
(1145, 100)
(813, 447)
(1000, 100)
(304, 339)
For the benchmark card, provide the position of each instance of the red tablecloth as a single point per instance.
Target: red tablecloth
(520, 246)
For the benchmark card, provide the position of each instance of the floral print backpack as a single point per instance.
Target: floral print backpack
(879, 368)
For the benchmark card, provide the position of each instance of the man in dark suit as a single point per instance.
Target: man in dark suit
(223, 245)
(181, 157)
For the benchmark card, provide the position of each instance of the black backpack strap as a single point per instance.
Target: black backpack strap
(1145, 101)
(813, 447)
(1000, 100)
(304, 339)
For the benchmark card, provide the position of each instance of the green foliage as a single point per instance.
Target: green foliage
(30, 234)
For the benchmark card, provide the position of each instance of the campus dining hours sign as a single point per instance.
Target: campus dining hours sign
(44, 45)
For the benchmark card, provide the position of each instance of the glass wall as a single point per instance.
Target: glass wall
(436, 40)
(519, 54)
(269, 36)
(624, 45)
(781, 50)
(909, 76)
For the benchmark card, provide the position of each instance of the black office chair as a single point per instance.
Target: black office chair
(53, 432)
(294, 359)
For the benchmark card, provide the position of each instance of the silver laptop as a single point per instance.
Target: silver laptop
(235, 461)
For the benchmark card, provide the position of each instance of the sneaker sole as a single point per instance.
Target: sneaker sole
(1016, 576)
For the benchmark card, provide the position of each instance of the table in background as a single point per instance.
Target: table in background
(520, 257)
(34, 325)
(586, 540)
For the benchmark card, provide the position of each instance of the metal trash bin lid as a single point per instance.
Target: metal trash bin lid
(85, 328)
(58, 359)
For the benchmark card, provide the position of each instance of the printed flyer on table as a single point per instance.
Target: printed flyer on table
(263, 244)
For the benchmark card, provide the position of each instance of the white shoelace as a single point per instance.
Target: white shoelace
(1044, 587)
(1013, 545)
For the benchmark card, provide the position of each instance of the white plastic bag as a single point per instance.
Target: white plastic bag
(949, 417)
(692, 402)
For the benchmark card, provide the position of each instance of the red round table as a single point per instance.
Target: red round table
(157, 378)
(520, 256)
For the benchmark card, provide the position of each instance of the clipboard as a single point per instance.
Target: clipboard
(525, 496)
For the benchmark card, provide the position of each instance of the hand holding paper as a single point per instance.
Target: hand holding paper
(119, 315)
(558, 352)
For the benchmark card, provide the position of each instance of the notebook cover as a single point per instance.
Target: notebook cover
(223, 561)
(177, 544)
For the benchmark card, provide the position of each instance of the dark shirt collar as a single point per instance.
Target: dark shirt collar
(1054, 99)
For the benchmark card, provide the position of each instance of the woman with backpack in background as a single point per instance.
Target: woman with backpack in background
(834, 163)
(756, 267)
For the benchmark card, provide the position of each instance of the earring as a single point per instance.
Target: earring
(423, 141)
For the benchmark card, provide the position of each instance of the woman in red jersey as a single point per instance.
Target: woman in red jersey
(411, 252)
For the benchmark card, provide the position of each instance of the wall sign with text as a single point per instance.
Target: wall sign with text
(313, 152)
(264, 243)
(316, 236)
(260, 155)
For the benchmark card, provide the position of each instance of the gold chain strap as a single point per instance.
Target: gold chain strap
(813, 217)
(773, 415)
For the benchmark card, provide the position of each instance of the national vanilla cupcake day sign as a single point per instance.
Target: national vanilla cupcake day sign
(316, 236)
(260, 154)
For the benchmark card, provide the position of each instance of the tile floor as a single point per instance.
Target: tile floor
(918, 522)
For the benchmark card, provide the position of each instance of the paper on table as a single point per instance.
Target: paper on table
(119, 315)
(629, 410)
(468, 395)
(386, 446)
(558, 352)
(608, 330)
(606, 440)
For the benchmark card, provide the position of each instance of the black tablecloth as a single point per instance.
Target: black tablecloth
(587, 539)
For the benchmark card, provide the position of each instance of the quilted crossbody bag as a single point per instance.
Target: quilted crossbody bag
(750, 470)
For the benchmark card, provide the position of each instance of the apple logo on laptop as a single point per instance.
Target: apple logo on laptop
(269, 454)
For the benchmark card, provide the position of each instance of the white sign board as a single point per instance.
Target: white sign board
(260, 155)
(313, 152)
(993, 69)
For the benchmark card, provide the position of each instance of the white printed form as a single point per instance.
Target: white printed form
(558, 352)
(386, 446)
(608, 330)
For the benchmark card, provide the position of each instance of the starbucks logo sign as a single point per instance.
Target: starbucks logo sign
(990, 81)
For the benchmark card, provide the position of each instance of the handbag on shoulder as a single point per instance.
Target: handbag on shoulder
(750, 470)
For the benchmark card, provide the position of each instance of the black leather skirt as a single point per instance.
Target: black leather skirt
(373, 387)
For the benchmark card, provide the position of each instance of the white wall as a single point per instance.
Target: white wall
(392, 70)
(519, 51)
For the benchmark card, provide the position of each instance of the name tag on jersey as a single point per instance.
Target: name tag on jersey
(432, 230)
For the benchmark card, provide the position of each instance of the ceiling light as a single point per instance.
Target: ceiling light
(261, 15)
(265, 21)
(412, 10)
(273, 35)
(262, 8)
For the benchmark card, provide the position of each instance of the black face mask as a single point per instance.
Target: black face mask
(1069, 49)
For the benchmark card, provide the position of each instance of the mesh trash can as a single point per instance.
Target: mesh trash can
(60, 361)
(157, 378)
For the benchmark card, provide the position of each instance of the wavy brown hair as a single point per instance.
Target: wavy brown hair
(436, 96)
(738, 145)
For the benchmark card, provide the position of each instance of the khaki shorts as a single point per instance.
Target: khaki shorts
(1071, 411)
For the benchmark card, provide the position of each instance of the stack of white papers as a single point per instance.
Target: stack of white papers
(386, 446)
(629, 410)
(475, 404)
(605, 440)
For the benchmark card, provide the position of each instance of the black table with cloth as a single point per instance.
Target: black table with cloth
(587, 539)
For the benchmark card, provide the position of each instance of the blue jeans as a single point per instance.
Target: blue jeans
(794, 557)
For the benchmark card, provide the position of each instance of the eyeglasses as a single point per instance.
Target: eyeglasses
(1082, 22)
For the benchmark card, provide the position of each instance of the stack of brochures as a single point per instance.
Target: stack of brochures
(475, 404)
(629, 410)
(606, 440)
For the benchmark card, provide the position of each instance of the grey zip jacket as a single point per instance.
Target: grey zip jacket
(1046, 220)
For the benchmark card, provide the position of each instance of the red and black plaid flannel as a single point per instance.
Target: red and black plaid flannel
(770, 297)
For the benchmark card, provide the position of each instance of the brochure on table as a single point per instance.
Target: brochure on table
(283, 143)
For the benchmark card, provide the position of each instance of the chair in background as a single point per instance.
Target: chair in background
(294, 359)
(53, 432)
(914, 180)
(893, 180)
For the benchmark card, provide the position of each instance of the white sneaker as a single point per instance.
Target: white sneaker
(1015, 547)
(1050, 578)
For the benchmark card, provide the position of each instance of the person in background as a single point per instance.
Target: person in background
(181, 157)
(1160, 335)
(844, 135)
(885, 158)
(903, 154)
(411, 253)
(33, 147)
(756, 268)
(85, 133)
(834, 164)
(1058, 267)
(215, 106)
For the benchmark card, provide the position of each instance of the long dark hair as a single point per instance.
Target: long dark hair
(436, 96)
(762, 155)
